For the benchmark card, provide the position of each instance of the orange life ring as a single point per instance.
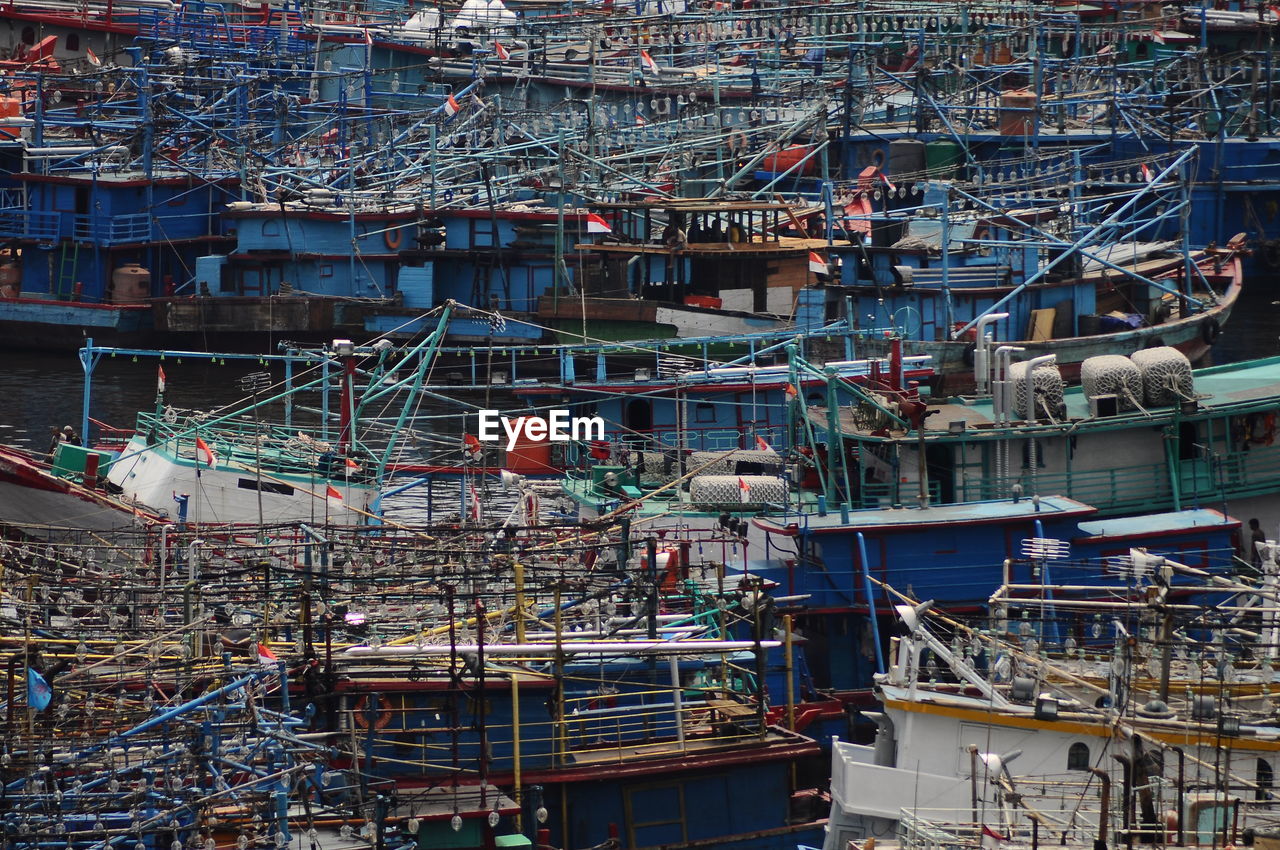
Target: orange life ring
(393, 238)
(361, 717)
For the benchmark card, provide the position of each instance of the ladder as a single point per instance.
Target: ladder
(68, 265)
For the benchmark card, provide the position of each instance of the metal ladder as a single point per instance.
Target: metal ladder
(68, 265)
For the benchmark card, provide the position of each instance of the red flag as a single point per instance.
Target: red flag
(334, 495)
(744, 491)
(647, 62)
(817, 264)
(160, 379)
(451, 106)
(500, 51)
(1146, 173)
(790, 391)
(92, 57)
(640, 122)
(266, 657)
(762, 445)
(368, 39)
(596, 224)
(472, 448)
(476, 513)
(209, 457)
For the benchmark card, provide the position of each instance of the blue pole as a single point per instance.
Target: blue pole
(88, 360)
(871, 600)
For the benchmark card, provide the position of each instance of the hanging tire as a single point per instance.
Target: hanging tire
(1210, 331)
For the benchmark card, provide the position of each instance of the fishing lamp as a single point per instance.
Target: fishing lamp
(1229, 726)
(344, 347)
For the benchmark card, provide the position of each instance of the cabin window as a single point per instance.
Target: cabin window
(704, 412)
(73, 41)
(1078, 757)
(271, 227)
(265, 486)
(28, 35)
(326, 270)
(1265, 779)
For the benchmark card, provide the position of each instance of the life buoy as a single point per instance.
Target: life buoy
(393, 238)
(1210, 331)
(877, 158)
(360, 714)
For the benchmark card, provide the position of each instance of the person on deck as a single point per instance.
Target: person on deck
(69, 435)
(1256, 536)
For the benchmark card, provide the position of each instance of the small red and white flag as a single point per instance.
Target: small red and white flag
(646, 62)
(266, 657)
(202, 448)
(762, 444)
(596, 224)
(476, 513)
(790, 391)
(640, 122)
(472, 448)
(990, 838)
(92, 57)
(451, 106)
(818, 264)
(744, 490)
(368, 39)
(334, 496)
(350, 466)
(1147, 176)
(887, 181)
(159, 379)
(500, 51)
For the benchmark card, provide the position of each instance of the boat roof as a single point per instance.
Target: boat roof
(912, 518)
(1152, 524)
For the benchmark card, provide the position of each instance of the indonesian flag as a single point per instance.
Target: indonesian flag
(368, 39)
(990, 838)
(159, 379)
(92, 57)
(790, 391)
(334, 495)
(266, 657)
(744, 490)
(887, 181)
(762, 444)
(1146, 172)
(500, 51)
(350, 466)
(202, 448)
(596, 224)
(640, 122)
(451, 106)
(476, 513)
(817, 264)
(471, 447)
(646, 62)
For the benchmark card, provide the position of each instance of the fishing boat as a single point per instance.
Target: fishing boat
(1138, 693)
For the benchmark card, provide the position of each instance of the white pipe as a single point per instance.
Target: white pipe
(1029, 379)
(982, 353)
(622, 648)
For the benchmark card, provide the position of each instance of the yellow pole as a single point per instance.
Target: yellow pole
(519, 577)
(515, 739)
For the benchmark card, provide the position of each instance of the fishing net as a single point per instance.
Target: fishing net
(1048, 390)
(1112, 374)
(726, 490)
(1166, 375)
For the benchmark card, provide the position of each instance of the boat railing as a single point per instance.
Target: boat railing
(116, 229)
(22, 223)
(244, 444)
